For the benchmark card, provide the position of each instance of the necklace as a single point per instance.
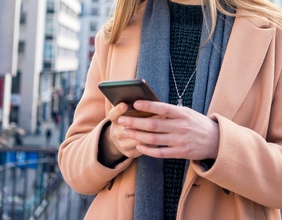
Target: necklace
(179, 100)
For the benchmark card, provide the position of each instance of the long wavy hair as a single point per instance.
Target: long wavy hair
(125, 9)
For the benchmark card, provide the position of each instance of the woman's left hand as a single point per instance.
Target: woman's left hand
(183, 132)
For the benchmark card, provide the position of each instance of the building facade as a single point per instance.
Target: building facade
(47, 63)
(9, 37)
(24, 98)
(60, 61)
(93, 16)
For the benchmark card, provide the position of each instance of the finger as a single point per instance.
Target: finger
(154, 138)
(160, 108)
(127, 147)
(159, 125)
(117, 111)
(131, 153)
(158, 152)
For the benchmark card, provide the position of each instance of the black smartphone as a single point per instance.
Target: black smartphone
(128, 91)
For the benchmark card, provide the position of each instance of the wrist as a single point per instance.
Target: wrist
(214, 140)
(108, 154)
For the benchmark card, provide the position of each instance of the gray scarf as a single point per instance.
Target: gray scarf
(153, 66)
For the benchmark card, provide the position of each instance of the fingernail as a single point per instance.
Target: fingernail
(121, 120)
(137, 104)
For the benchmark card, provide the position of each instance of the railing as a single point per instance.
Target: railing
(32, 187)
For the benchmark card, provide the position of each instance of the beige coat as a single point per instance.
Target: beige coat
(246, 103)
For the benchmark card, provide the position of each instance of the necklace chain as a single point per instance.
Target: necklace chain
(179, 100)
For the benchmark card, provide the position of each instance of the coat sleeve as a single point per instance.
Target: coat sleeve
(77, 155)
(249, 164)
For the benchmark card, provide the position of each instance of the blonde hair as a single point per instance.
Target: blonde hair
(125, 9)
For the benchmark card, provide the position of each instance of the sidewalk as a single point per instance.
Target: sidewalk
(40, 139)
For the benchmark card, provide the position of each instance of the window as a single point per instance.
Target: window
(16, 83)
(91, 41)
(50, 7)
(49, 28)
(48, 51)
(93, 26)
(21, 48)
(50, 10)
(95, 11)
(49, 37)
(23, 18)
(47, 65)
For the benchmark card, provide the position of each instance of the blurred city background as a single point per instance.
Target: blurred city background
(45, 51)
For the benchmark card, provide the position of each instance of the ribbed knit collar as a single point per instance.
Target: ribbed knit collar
(185, 14)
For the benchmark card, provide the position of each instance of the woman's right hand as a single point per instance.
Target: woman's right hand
(114, 144)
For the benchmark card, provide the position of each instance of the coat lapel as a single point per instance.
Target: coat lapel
(248, 44)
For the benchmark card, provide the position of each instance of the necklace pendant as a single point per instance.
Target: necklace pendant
(179, 102)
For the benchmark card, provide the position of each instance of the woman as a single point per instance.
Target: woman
(217, 157)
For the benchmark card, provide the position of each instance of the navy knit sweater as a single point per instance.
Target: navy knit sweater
(186, 25)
